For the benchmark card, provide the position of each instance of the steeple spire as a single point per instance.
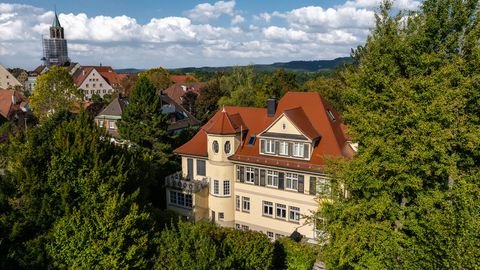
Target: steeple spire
(56, 21)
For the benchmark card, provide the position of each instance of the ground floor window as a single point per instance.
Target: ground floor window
(180, 199)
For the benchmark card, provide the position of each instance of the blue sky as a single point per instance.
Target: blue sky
(145, 34)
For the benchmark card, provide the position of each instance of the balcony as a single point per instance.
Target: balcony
(177, 181)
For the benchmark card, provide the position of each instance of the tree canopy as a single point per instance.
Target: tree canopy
(54, 91)
(412, 104)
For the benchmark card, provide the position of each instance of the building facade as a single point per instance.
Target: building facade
(260, 169)
(7, 80)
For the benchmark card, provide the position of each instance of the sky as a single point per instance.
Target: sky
(187, 33)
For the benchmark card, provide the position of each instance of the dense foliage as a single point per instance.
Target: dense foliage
(412, 104)
(54, 91)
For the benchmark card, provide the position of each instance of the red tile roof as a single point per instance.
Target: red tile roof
(7, 107)
(177, 90)
(309, 111)
(183, 79)
(106, 72)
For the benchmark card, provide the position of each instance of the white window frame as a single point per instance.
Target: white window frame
(267, 208)
(226, 187)
(272, 178)
(216, 187)
(270, 235)
(280, 211)
(283, 148)
(249, 171)
(298, 149)
(270, 146)
(294, 214)
(291, 181)
(221, 216)
(111, 124)
(100, 123)
(181, 199)
(245, 204)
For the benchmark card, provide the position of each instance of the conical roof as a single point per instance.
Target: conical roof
(56, 22)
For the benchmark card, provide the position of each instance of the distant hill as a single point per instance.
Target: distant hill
(300, 66)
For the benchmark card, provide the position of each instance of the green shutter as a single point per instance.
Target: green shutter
(301, 184)
(290, 149)
(313, 185)
(262, 178)
(262, 146)
(281, 178)
(256, 177)
(277, 147)
(306, 150)
(242, 174)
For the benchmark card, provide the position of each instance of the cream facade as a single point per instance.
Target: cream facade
(94, 83)
(266, 177)
(7, 80)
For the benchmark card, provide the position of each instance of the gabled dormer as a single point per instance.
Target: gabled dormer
(291, 135)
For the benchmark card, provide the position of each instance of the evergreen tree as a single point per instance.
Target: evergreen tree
(412, 104)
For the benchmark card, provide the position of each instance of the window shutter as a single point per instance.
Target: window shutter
(290, 149)
(306, 150)
(262, 146)
(313, 185)
(238, 173)
(255, 177)
(281, 177)
(242, 174)
(277, 147)
(262, 178)
(301, 184)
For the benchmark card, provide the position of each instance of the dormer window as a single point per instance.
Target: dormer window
(298, 149)
(270, 147)
(251, 141)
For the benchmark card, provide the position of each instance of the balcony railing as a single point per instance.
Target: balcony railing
(177, 181)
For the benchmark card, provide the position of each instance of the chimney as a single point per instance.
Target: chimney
(271, 106)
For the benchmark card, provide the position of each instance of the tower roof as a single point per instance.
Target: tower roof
(56, 21)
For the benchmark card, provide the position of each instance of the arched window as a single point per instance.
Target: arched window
(215, 147)
(227, 147)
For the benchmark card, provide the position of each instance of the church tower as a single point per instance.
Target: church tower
(55, 50)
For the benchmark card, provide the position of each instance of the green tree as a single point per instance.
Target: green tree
(331, 88)
(412, 105)
(54, 91)
(159, 77)
(240, 88)
(207, 102)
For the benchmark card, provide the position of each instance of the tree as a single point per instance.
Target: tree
(54, 91)
(207, 102)
(240, 88)
(188, 101)
(128, 83)
(331, 88)
(159, 77)
(412, 105)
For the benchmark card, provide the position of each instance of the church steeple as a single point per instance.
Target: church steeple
(56, 30)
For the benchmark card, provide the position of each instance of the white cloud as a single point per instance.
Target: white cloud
(237, 19)
(398, 4)
(304, 33)
(205, 12)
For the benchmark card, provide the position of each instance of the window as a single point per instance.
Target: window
(323, 186)
(237, 226)
(226, 188)
(100, 123)
(330, 114)
(180, 199)
(246, 204)
(101, 85)
(283, 148)
(237, 203)
(221, 216)
(249, 175)
(270, 147)
(201, 167)
(227, 147)
(272, 178)
(291, 181)
(294, 214)
(298, 149)
(93, 85)
(270, 235)
(267, 208)
(277, 236)
(216, 188)
(245, 227)
(111, 124)
(86, 85)
(215, 147)
(251, 141)
(281, 211)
